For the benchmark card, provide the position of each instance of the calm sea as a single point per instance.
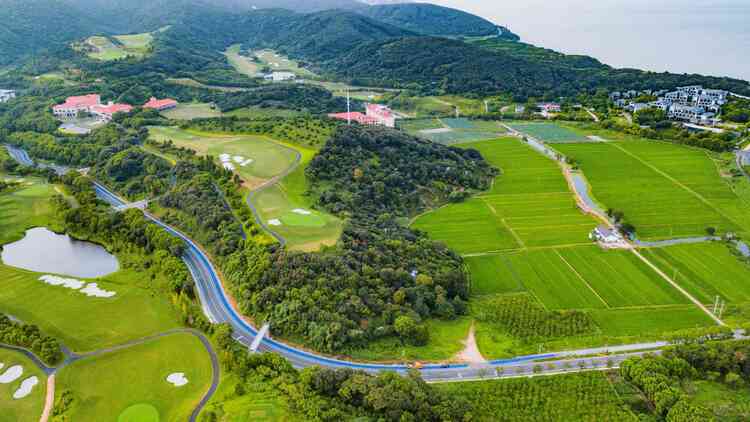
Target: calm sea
(694, 36)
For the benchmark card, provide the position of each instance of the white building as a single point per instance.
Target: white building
(662, 103)
(636, 107)
(686, 112)
(7, 95)
(281, 76)
(605, 234)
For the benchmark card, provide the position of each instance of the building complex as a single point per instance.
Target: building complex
(92, 104)
(375, 115)
(7, 95)
(692, 104)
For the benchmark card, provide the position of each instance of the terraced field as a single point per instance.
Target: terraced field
(665, 190)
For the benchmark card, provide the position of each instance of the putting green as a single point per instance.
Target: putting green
(301, 220)
(142, 412)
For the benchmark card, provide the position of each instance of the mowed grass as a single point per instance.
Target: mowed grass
(529, 205)
(85, 323)
(705, 270)
(190, 111)
(106, 385)
(650, 321)
(548, 132)
(30, 407)
(278, 202)
(24, 208)
(269, 158)
(240, 63)
(665, 191)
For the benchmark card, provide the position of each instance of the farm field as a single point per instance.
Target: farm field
(288, 211)
(28, 408)
(664, 190)
(191, 111)
(548, 132)
(529, 205)
(269, 159)
(627, 322)
(588, 396)
(85, 323)
(134, 381)
(705, 270)
(450, 131)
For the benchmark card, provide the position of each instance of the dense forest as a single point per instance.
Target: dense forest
(429, 19)
(29, 337)
(371, 172)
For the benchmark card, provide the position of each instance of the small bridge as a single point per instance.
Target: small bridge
(259, 337)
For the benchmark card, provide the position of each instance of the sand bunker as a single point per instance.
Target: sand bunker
(93, 290)
(177, 379)
(68, 283)
(300, 211)
(25, 389)
(274, 222)
(229, 161)
(13, 373)
(90, 289)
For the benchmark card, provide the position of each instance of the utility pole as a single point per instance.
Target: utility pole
(486, 107)
(348, 108)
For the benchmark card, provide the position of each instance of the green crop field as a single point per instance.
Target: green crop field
(191, 111)
(529, 205)
(490, 274)
(549, 132)
(283, 203)
(650, 321)
(28, 408)
(705, 270)
(664, 190)
(85, 323)
(108, 386)
(269, 159)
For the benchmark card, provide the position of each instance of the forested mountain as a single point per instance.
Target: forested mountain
(429, 19)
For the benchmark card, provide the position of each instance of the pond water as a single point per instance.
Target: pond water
(44, 251)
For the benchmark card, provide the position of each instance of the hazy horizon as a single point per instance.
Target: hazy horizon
(709, 37)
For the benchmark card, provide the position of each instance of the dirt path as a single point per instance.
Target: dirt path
(471, 353)
(49, 401)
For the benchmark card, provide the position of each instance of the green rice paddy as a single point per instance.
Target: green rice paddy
(548, 132)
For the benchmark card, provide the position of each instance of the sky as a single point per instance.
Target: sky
(683, 36)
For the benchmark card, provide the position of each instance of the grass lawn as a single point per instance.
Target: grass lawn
(259, 403)
(85, 323)
(664, 190)
(640, 321)
(529, 205)
(548, 132)
(240, 63)
(24, 208)
(191, 111)
(269, 158)
(30, 407)
(279, 62)
(105, 386)
(705, 270)
(139, 44)
(446, 341)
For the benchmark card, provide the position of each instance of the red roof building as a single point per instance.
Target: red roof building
(160, 105)
(105, 112)
(74, 105)
(357, 117)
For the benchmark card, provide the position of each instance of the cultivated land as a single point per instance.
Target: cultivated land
(529, 205)
(104, 386)
(269, 158)
(548, 132)
(30, 407)
(665, 190)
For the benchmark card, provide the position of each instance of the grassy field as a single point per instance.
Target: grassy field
(261, 402)
(529, 205)
(628, 322)
(118, 47)
(279, 202)
(548, 132)
(191, 111)
(269, 158)
(85, 323)
(491, 274)
(705, 270)
(664, 190)
(104, 386)
(279, 62)
(24, 208)
(30, 407)
(413, 126)
(240, 63)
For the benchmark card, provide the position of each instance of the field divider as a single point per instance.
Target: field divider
(582, 279)
(679, 288)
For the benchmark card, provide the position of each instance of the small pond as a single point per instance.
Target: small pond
(44, 251)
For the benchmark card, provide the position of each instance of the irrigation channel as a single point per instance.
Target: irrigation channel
(217, 307)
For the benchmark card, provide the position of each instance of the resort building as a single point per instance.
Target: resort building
(160, 105)
(75, 105)
(550, 107)
(382, 114)
(355, 117)
(7, 95)
(105, 112)
(281, 76)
